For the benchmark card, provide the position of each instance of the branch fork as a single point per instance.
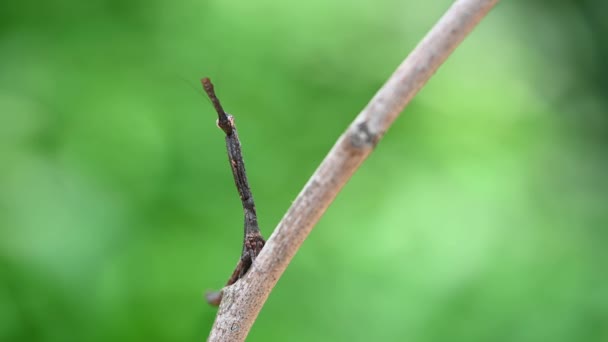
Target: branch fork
(244, 299)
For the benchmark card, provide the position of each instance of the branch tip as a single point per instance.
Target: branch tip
(223, 121)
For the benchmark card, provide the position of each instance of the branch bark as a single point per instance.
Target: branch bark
(243, 300)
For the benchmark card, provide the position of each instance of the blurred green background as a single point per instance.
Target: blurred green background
(482, 215)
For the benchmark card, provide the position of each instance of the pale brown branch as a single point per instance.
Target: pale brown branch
(243, 300)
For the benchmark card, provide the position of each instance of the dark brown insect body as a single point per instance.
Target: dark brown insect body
(253, 240)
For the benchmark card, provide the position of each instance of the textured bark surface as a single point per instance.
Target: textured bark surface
(243, 300)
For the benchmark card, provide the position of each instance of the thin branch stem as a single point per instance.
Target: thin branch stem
(253, 242)
(243, 301)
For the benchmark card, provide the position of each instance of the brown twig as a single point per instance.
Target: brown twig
(253, 241)
(243, 300)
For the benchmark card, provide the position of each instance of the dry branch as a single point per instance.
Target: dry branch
(243, 300)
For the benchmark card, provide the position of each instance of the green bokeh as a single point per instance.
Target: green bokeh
(482, 215)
